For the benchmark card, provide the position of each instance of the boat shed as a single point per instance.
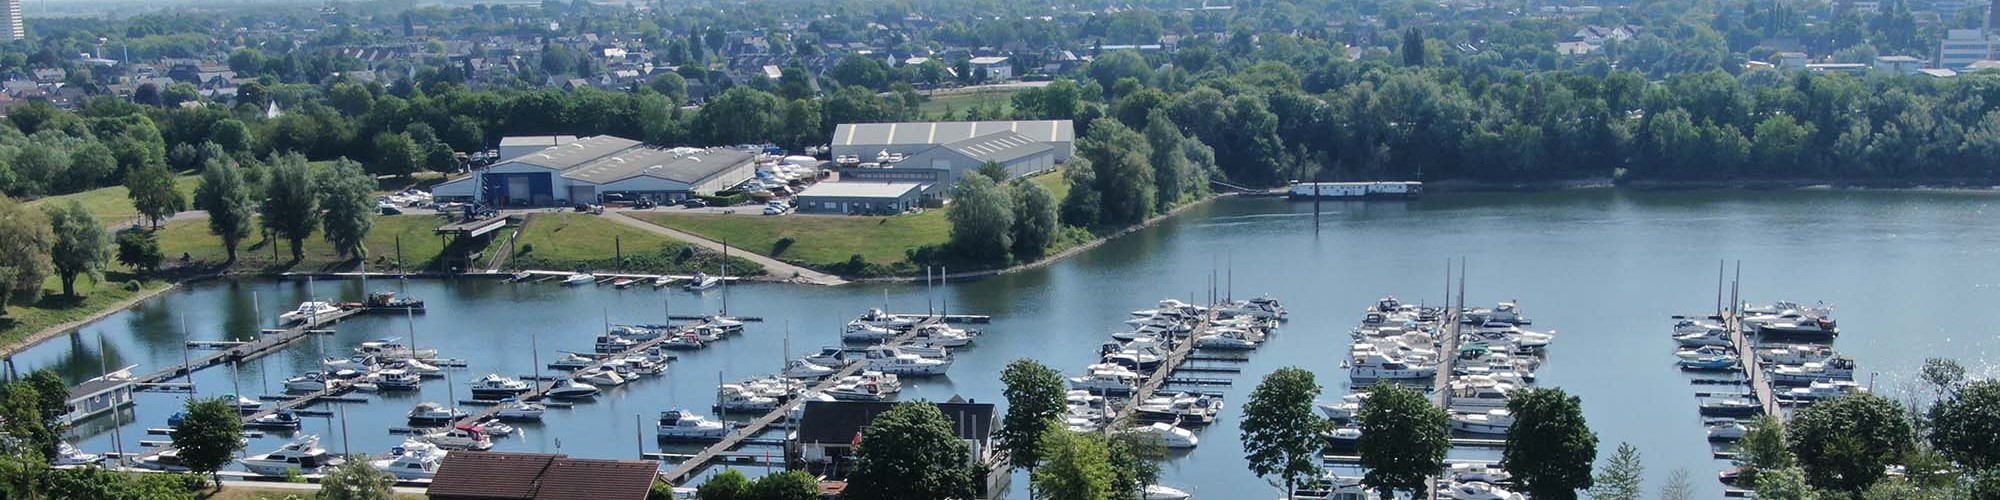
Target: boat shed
(585, 170)
(471, 475)
(99, 395)
(859, 197)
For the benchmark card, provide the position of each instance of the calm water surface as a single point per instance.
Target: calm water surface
(1911, 274)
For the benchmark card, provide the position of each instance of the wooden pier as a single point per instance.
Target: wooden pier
(747, 432)
(1162, 374)
(1753, 369)
(1449, 327)
(267, 342)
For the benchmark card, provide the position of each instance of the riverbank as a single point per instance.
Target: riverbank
(1066, 252)
(1939, 185)
(43, 332)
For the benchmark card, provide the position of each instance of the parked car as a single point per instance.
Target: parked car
(694, 203)
(644, 204)
(583, 207)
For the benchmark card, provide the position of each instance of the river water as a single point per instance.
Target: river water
(1912, 274)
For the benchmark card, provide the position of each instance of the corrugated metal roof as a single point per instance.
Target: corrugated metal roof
(579, 152)
(919, 133)
(536, 140)
(860, 189)
(999, 147)
(678, 164)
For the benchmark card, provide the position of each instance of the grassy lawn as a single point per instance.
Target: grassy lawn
(113, 204)
(823, 241)
(568, 240)
(54, 308)
(959, 102)
(420, 246)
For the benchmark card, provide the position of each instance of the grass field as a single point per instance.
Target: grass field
(568, 240)
(959, 102)
(53, 308)
(420, 246)
(822, 241)
(113, 204)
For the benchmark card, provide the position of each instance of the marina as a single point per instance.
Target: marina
(1626, 266)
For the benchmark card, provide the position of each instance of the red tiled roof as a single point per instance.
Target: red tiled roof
(535, 476)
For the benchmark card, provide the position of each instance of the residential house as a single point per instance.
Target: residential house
(470, 475)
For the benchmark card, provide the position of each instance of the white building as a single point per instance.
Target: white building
(995, 68)
(587, 169)
(12, 25)
(938, 154)
(1961, 47)
(1901, 65)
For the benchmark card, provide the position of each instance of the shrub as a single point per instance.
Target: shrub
(133, 285)
(778, 247)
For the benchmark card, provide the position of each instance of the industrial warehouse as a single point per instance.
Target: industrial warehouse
(585, 170)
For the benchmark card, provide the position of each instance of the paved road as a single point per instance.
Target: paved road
(773, 266)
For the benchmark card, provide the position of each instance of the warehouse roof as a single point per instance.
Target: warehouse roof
(859, 189)
(576, 153)
(689, 165)
(883, 134)
(1002, 146)
(536, 140)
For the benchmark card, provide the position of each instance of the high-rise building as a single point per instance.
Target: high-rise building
(1961, 47)
(12, 25)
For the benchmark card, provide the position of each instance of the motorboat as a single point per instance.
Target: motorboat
(463, 437)
(1694, 326)
(702, 281)
(1085, 399)
(1834, 368)
(1795, 354)
(164, 461)
(433, 413)
(1169, 435)
(640, 333)
(243, 404)
(737, 398)
(623, 282)
(388, 301)
(612, 344)
(800, 368)
(858, 392)
(308, 382)
(360, 362)
(876, 317)
(570, 389)
(517, 410)
(1332, 487)
(1480, 472)
(1182, 408)
(832, 357)
(1731, 407)
(1494, 422)
(419, 368)
(1819, 390)
(1703, 352)
(303, 455)
(858, 331)
(1476, 490)
(497, 386)
(603, 376)
(1808, 327)
(414, 459)
(682, 425)
(1709, 362)
(686, 341)
(282, 419)
(662, 281)
(308, 311)
(722, 324)
(1162, 492)
(887, 359)
(1780, 307)
(1504, 312)
(1137, 354)
(521, 276)
(1710, 337)
(1339, 412)
(1262, 307)
(1345, 438)
(397, 380)
(1377, 366)
(1106, 378)
(926, 350)
(572, 361)
(1469, 393)
(1228, 339)
(69, 455)
(492, 426)
(579, 279)
(1727, 431)
(391, 349)
(634, 366)
(942, 335)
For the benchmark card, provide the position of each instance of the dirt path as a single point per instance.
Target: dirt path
(775, 267)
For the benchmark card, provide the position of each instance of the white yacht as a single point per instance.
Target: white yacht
(1808, 327)
(1504, 312)
(393, 349)
(309, 382)
(397, 380)
(309, 310)
(925, 350)
(859, 392)
(302, 455)
(1727, 430)
(1714, 337)
(1169, 435)
(857, 331)
(722, 324)
(463, 437)
(1138, 354)
(1480, 472)
(1703, 352)
(1228, 339)
(1183, 408)
(277, 420)
(1834, 368)
(1162, 492)
(414, 459)
(1377, 366)
(682, 425)
(1106, 378)
(572, 361)
(1262, 307)
(876, 317)
(738, 398)
(702, 281)
(1816, 391)
(613, 344)
(68, 455)
(942, 335)
(419, 368)
(516, 410)
(603, 376)
(497, 386)
(1477, 394)
(800, 368)
(1494, 422)
(1694, 326)
(243, 404)
(832, 357)
(579, 279)
(1795, 354)
(1476, 490)
(355, 362)
(434, 413)
(572, 389)
(887, 359)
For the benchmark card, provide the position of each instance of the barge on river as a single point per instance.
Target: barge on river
(1393, 190)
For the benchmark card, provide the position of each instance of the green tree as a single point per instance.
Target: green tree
(1966, 425)
(208, 436)
(232, 135)
(81, 245)
(669, 84)
(347, 204)
(153, 192)
(1083, 206)
(1076, 466)
(729, 485)
(1413, 47)
(788, 485)
(25, 241)
(227, 201)
(1944, 375)
(89, 164)
(1035, 404)
(994, 170)
(1123, 179)
(356, 480)
(1623, 477)
(395, 154)
(1784, 484)
(1549, 447)
(1135, 463)
(911, 451)
(290, 209)
(1170, 167)
(1404, 438)
(1035, 220)
(1846, 443)
(856, 69)
(20, 418)
(139, 249)
(438, 157)
(982, 220)
(1282, 435)
(660, 491)
(1763, 448)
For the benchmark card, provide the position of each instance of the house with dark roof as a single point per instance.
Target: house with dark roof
(829, 430)
(467, 475)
